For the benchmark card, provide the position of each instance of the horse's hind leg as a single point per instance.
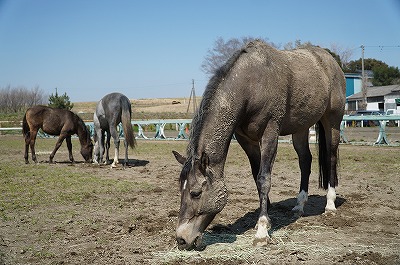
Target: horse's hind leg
(69, 146)
(27, 141)
(333, 182)
(330, 135)
(126, 153)
(300, 143)
(115, 136)
(32, 141)
(107, 147)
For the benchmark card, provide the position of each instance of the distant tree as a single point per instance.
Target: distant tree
(335, 56)
(384, 76)
(369, 64)
(297, 44)
(344, 54)
(17, 99)
(222, 51)
(61, 102)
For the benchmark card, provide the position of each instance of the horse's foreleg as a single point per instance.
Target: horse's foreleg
(69, 146)
(58, 144)
(268, 146)
(300, 143)
(252, 150)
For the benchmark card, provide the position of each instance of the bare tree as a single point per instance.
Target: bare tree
(222, 51)
(19, 98)
(297, 44)
(344, 53)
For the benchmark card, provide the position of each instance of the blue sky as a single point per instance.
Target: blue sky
(150, 49)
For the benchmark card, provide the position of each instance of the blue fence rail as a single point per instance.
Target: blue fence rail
(155, 129)
(382, 121)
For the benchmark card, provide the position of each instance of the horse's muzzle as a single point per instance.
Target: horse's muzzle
(195, 245)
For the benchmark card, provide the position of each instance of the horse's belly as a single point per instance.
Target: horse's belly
(294, 125)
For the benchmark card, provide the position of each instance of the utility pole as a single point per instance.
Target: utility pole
(363, 81)
(192, 94)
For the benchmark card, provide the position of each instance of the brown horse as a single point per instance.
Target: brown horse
(260, 94)
(55, 121)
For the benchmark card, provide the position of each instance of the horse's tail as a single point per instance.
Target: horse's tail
(323, 157)
(127, 125)
(25, 127)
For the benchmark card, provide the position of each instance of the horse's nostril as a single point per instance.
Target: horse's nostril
(180, 241)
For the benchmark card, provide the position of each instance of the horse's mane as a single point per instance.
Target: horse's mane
(84, 129)
(220, 74)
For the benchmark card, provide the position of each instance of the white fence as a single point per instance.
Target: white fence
(155, 129)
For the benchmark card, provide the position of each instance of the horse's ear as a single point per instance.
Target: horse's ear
(181, 159)
(204, 161)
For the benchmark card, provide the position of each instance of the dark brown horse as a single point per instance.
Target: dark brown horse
(55, 121)
(260, 94)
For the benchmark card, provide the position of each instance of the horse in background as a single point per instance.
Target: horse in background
(54, 121)
(258, 95)
(111, 110)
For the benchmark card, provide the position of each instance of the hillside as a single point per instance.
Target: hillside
(142, 109)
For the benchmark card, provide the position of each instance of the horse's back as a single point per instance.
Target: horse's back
(35, 116)
(50, 120)
(109, 109)
(295, 88)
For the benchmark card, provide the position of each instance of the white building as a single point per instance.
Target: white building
(378, 98)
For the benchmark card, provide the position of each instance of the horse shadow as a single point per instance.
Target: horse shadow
(131, 162)
(281, 215)
(135, 162)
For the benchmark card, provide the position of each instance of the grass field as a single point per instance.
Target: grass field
(81, 213)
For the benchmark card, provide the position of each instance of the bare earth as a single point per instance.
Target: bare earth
(135, 224)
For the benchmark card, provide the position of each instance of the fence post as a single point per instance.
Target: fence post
(382, 137)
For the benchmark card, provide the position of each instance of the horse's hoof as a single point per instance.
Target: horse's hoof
(113, 165)
(298, 211)
(330, 211)
(261, 242)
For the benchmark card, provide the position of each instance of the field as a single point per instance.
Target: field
(81, 213)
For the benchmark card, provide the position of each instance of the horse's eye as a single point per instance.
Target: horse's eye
(195, 194)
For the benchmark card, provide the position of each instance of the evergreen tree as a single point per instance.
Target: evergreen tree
(61, 102)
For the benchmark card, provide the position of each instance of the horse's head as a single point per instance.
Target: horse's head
(87, 151)
(203, 195)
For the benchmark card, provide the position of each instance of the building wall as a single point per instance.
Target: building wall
(353, 85)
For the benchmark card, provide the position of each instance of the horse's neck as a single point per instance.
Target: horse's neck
(83, 134)
(215, 125)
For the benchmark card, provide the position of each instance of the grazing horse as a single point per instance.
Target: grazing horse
(111, 110)
(55, 121)
(258, 95)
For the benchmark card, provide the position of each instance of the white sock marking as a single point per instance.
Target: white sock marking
(330, 199)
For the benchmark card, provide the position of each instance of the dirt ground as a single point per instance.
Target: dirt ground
(135, 223)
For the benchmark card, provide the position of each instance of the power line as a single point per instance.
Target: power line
(382, 46)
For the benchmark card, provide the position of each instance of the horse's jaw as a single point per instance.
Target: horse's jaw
(189, 233)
